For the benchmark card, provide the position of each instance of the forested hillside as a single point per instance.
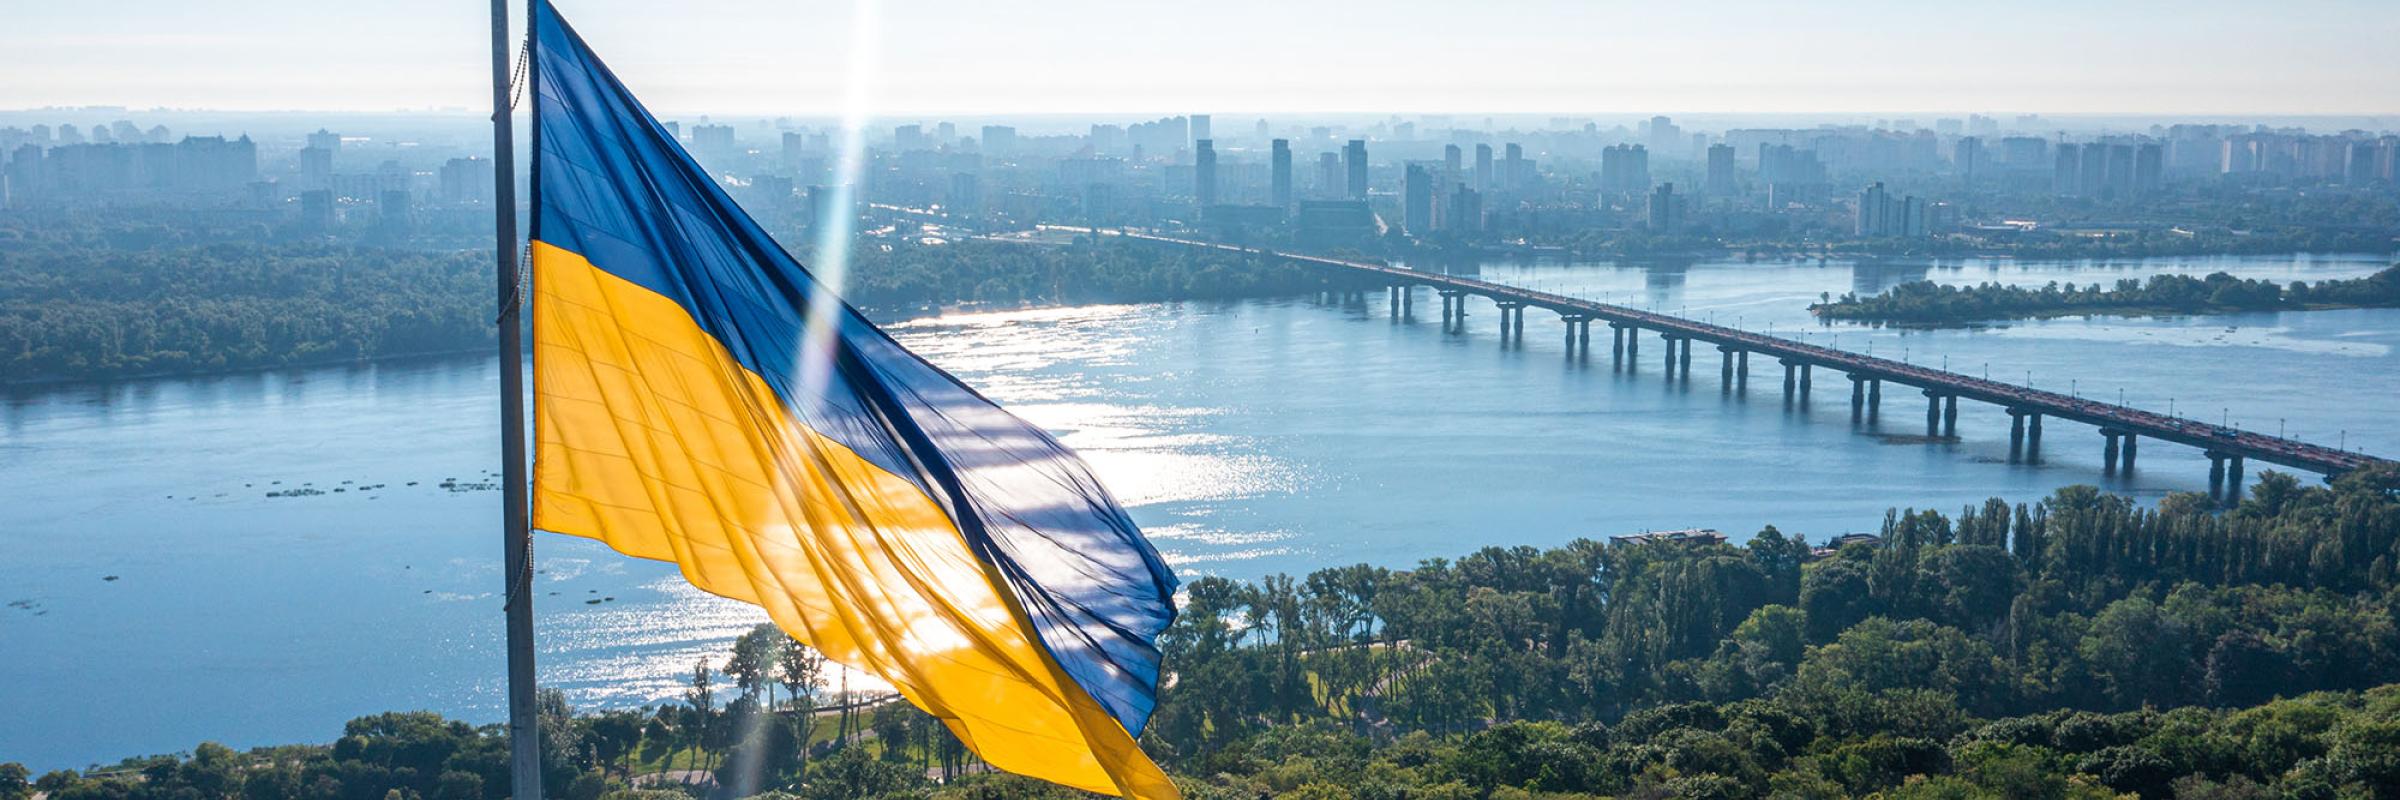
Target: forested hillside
(2082, 646)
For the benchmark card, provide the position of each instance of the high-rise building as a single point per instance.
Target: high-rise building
(1463, 215)
(2118, 182)
(1967, 156)
(1664, 137)
(2065, 168)
(1200, 125)
(2149, 168)
(1279, 179)
(1720, 170)
(1666, 210)
(795, 149)
(1874, 209)
(316, 209)
(391, 212)
(1784, 166)
(712, 140)
(904, 137)
(1417, 200)
(1354, 165)
(999, 140)
(966, 194)
(1879, 214)
(326, 139)
(316, 167)
(1483, 168)
(214, 163)
(467, 180)
(1329, 175)
(1512, 168)
(1625, 169)
(1334, 222)
(1204, 174)
(2024, 152)
(1451, 163)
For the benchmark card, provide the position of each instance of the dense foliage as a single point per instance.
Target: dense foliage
(80, 311)
(2082, 646)
(1925, 302)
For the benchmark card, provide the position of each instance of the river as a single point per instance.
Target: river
(159, 594)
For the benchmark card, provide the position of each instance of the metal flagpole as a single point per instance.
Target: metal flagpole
(517, 534)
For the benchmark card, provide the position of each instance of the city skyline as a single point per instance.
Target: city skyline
(2323, 57)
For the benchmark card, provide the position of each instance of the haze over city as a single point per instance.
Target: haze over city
(1533, 56)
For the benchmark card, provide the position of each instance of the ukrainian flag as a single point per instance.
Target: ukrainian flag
(692, 405)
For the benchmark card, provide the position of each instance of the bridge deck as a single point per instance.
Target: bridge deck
(2227, 441)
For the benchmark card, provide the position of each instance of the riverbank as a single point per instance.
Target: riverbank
(2160, 312)
(1924, 304)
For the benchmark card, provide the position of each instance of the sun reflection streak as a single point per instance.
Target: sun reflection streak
(831, 264)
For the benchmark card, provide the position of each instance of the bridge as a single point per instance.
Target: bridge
(2122, 427)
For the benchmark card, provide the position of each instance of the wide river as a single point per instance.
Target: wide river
(159, 594)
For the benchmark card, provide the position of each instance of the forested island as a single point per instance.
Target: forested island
(2079, 647)
(1929, 303)
(83, 310)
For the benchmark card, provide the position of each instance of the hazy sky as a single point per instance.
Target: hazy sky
(987, 57)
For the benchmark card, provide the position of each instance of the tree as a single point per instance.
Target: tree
(2138, 654)
(752, 666)
(702, 699)
(799, 667)
(15, 781)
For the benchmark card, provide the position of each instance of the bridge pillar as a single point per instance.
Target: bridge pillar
(1950, 416)
(1741, 371)
(2016, 436)
(1669, 339)
(1725, 369)
(1790, 380)
(1933, 413)
(1583, 338)
(1874, 398)
(2216, 474)
(2130, 439)
(1506, 318)
(1858, 399)
(2033, 437)
(1616, 349)
(1804, 382)
(2108, 453)
(1391, 294)
(1520, 323)
(1633, 346)
(1684, 362)
(2233, 480)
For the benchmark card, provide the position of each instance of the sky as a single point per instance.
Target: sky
(786, 57)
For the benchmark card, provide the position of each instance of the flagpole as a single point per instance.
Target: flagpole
(523, 734)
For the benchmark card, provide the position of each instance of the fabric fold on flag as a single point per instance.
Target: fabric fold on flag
(687, 408)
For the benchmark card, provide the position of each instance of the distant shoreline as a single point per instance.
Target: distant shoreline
(913, 314)
(2092, 311)
(310, 364)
